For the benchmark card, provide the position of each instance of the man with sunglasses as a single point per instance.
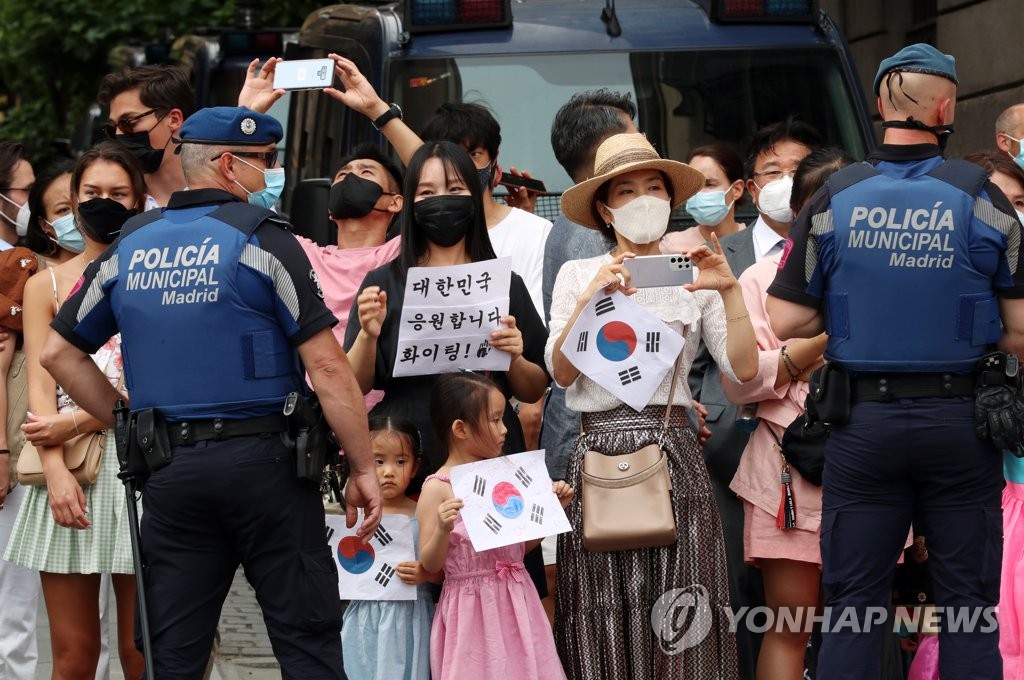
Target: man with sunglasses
(222, 316)
(147, 107)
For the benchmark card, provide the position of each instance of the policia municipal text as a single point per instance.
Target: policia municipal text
(208, 378)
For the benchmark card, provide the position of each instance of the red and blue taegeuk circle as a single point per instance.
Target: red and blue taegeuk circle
(508, 501)
(616, 341)
(354, 556)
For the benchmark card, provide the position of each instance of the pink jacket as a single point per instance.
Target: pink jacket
(757, 479)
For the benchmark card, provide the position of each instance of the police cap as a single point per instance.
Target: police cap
(918, 58)
(230, 125)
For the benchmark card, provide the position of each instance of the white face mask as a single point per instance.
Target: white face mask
(1020, 216)
(773, 201)
(20, 223)
(642, 220)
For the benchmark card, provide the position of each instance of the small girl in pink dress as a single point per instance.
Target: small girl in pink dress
(489, 622)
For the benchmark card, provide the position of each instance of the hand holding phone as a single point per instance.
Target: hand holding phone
(515, 181)
(656, 271)
(304, 74)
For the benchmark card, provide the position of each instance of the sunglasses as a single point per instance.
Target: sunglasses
(269, 158)
(127, 125)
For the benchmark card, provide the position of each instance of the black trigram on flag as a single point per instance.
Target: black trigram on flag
(479, 485)
(537, 514)
(581, 344)
(491, 523)
(329, 533)
(382, 535)
(630, 375)
(604, 306)
(523, 477)
(384, 576)
(653, 341)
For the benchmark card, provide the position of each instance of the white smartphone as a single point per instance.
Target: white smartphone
(304, 74)
(655, 271)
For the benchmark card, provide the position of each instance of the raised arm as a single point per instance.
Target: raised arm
(360, 96)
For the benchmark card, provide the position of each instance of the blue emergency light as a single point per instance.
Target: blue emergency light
(761, 11)
(434, 16)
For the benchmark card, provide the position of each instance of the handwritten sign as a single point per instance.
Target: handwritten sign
(448, 316)
(508, 500)
(369, 571)
(622, 347)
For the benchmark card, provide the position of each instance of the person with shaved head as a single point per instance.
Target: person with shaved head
(1010, 131)
(910, 263)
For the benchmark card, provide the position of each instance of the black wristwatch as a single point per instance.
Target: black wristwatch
(387, 116)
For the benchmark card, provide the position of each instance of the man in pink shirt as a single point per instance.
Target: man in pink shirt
(364, 200)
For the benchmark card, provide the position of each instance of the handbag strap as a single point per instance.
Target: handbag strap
(672, 387)
(671, 392)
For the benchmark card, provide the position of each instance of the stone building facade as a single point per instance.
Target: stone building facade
(983, 35)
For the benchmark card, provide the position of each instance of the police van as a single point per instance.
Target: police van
(700, 71)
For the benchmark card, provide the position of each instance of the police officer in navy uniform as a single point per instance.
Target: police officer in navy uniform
(910, 263)
(220, 315)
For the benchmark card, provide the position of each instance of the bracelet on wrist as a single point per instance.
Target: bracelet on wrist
(791, 368)
(75, 421)
(737, 318)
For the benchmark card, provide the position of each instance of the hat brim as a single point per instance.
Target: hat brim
(578, 201)
(215, 142)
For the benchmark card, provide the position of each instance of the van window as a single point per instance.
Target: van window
(685, 98)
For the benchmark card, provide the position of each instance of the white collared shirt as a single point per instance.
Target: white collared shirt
(766, 240)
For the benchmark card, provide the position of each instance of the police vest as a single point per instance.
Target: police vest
(198, 328)
(902, 293)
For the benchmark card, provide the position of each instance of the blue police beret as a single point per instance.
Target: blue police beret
(918, 58)
(230, 125)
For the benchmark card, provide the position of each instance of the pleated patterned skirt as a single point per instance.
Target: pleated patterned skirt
(655, 612)
(39, 543)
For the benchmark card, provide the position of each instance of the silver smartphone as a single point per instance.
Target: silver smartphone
(655, 271)
(304, 74)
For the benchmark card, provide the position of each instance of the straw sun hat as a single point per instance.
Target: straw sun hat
(620, 154)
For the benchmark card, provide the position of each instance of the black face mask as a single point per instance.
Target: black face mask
(138, 145)
(486, 174)
(444, 220)
(353, 197)
(104, 218)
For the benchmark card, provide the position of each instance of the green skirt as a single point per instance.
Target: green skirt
(39, 543)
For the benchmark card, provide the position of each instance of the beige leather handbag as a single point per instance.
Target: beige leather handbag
(627, 499)
(82, 454)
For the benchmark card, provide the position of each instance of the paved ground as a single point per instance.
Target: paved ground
(244, 652)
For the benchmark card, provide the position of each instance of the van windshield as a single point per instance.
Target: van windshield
(685, 99)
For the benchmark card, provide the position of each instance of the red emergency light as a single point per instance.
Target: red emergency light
(435, 16)
(761, 11)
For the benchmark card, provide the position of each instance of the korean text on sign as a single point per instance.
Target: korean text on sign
(448, 316)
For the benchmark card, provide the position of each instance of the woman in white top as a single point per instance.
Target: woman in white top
(604, 600)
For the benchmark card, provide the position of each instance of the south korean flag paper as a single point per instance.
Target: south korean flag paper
(622, 347)
(508, 500)
(369, 571)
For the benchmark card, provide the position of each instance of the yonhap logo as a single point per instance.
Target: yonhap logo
(682, 618)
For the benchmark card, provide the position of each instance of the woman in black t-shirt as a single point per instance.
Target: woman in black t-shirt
(445, 226)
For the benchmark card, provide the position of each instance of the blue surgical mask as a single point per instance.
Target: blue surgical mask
(273, 178)
(708, 207)
(68, 236)
(1019, 158)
